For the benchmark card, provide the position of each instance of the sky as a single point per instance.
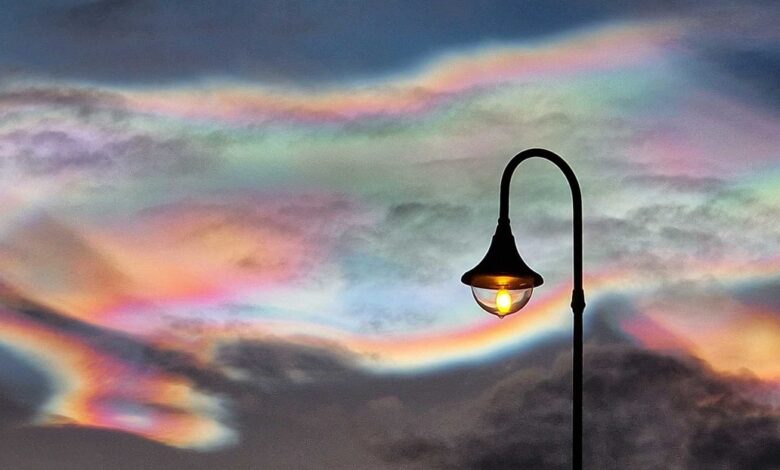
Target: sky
(232, 233)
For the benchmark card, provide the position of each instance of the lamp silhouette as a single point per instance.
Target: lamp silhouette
(502, 283)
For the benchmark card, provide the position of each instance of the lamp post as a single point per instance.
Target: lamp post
(502, 283)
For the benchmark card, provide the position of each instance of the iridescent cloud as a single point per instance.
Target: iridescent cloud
(199, 215)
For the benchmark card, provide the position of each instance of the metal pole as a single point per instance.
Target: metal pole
(578, 306)
(578, 294)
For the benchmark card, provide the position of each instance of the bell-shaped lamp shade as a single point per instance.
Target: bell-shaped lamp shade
(502, 283)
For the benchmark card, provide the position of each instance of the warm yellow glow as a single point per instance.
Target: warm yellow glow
(503, 301)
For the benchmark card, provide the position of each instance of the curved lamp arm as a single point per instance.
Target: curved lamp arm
(578, 295)
(576, 198)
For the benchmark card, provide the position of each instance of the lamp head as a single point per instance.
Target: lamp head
(502, 283)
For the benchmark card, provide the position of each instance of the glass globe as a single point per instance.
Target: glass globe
(501, 302)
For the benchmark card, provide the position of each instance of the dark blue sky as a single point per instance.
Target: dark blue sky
(320, 42)
(304, 41)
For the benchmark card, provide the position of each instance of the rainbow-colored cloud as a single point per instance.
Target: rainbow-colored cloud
(198, 215)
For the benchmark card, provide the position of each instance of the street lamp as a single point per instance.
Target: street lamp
(502, 283)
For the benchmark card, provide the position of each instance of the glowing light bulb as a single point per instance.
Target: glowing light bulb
(503, 301)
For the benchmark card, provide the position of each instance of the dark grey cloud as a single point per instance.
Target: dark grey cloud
(84, 98)
(699, 224)
(310, 407)
(643, 411)
(276, 364)
(55, 151)
(682, 183)
(418, 236)
(74, 448)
